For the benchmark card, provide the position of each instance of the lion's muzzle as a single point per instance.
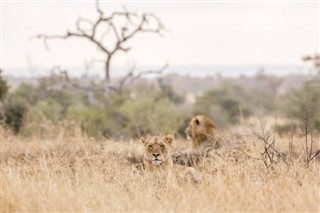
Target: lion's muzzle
(156, 160)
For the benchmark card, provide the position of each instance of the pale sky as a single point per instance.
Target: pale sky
(200, 34)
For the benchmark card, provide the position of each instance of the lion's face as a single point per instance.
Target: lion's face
(199, 125)
(157, 149)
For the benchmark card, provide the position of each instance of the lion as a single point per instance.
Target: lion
(157, 157)
(158, 161)
(205, 141)
(203, 133)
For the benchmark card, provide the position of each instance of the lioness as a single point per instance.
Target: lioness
(158, 161)
(157, 157)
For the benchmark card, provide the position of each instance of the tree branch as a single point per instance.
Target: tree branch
(122, 32)
(131, 77)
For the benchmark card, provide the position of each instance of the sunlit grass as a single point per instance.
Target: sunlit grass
(77, 174)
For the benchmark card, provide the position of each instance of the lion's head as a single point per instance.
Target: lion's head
(200, 130)
(157, 151)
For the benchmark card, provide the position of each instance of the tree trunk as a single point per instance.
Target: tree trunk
(107, 69)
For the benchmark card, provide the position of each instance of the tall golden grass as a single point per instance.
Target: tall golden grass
(74, 173)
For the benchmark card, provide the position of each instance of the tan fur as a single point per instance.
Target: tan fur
(157, 154)
(204, 138)
(160, 148)
(206, 141)
(203, 133)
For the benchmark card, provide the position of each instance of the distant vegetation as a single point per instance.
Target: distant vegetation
(3, 87)
(229, 103)
(147, 107)
(302, 108)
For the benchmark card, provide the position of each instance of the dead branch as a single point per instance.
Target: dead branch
(315, 155)
(133, 76)
(135, 24)
(269, 151)
(147, 72)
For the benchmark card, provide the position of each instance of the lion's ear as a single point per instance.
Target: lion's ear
(168, 139)
(143, 140)
(197, 121)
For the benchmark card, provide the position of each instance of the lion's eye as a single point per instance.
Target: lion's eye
(149, 147)
(162, 146)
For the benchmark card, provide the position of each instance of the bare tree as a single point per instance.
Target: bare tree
(122, 26)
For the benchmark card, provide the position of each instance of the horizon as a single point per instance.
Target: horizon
(200, 71)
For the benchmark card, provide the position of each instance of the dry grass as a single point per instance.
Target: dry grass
(77, 174)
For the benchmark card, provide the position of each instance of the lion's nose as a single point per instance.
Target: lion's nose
(156, 155)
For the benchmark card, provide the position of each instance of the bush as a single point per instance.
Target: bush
(149, 112)
(3, 92)
(226, 104)
(51, 109)
(166, 91)
(304, 105)
(16, 105)
(46, 101)
(14, 111)
(3, 87)
(94, 121)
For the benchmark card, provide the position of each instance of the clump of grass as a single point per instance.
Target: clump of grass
(79, 174)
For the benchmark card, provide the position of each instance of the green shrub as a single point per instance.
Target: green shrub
(51, 109)
(149, 112)
(3, 87)
(226, 104)
(303, 105)
(92, 120)
(14, 112)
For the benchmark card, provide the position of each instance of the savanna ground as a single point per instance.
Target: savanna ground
(70, 172)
